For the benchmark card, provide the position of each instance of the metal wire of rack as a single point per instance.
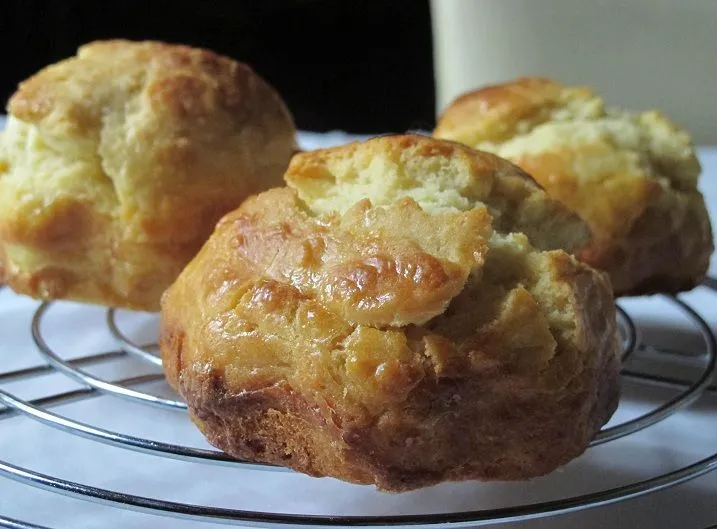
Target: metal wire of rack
(40, 410)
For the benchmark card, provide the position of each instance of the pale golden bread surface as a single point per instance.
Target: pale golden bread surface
(631, 176)
(117, 163)
(401, 339)
(2, 265)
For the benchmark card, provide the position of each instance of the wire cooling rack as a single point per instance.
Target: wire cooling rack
(12, 407)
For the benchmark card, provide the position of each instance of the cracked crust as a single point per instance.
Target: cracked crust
(401, 343)
(118, 162)
(631, 176)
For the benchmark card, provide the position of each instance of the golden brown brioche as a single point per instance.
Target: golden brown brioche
(631, 176)
(402, 339)
(119, 162)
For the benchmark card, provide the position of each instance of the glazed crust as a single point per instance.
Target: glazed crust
(631, 176)
(117, 164)
(390, 344)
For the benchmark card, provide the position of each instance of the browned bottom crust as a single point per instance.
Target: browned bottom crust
(481, 431)
(667, 251)
(127, 281)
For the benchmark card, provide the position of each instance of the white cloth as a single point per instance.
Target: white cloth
(76, 330)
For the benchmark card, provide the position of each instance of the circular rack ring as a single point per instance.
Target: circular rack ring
(272, 520)
(684, 399)
(129, 442)
(126, 344)
(84, 377)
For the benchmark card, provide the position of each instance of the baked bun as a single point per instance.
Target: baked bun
(402, 339)
(631, 176)
(119, 162)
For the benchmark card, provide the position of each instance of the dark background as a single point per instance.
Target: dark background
(358, 65)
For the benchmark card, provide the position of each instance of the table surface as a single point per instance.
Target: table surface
(75, 330)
